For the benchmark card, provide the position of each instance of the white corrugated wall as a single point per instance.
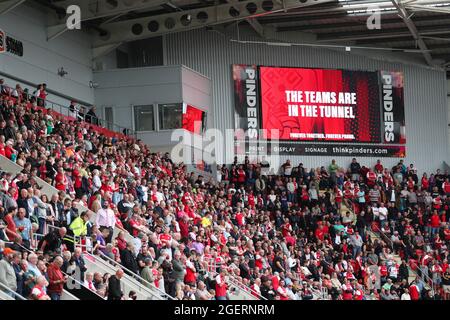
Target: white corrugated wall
(213, 54)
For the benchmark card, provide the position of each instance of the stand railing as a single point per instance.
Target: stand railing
(76, 114)
(10, 291)
(211, 270)
(139, 281)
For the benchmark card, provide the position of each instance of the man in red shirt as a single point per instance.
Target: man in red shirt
(371, 178)
(378, 167)
(221, 285)
(61, 180)
(135, 224)
(446, 187)
(11, 229)
(319, 232)
(414, 291)
(165, 238)
(190, 277)
(435, 223)
(56, 278)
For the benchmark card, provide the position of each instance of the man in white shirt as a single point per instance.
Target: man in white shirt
(96, 181)
(383, 212)
(376, 212)
(405, 295)
(106, 219)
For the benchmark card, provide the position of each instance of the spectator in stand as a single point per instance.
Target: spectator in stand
(11, 228)
(446, 283)
(114, 286)
(7, 273)
(355, 169)
(167, 210)
(56, 278)
(41, 94)
(24, 228)
(39, 290)
(221, 285)
(81, 114)
(73, 109)
(78, 260)
(3, 88)
(91, 116)
(106, 219)
(53, 241)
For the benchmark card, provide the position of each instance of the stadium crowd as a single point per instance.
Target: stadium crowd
(353, 232)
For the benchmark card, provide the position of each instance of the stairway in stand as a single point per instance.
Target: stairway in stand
(373, 236)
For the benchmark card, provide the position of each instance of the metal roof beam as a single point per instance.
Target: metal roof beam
(403, 13)
(98, 9)
(355, 22)
(153, 26)
(359, 5)
(303, 17)
(253, 22)
(256, 26)
(8, 5)
(381, 34)
(413, 7)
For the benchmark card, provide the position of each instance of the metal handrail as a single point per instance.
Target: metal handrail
(424, 276)
(82, 284)
(134, 275)
(12, 291)
(428, 278)
(384, 235)
(74, 238)
(65, 111)
(234, 281)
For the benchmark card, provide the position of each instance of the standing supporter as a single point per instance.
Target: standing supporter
(56, 279)
(282, 233)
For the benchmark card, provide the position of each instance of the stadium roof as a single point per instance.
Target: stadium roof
(418, 26)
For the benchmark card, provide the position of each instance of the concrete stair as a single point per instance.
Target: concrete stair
(374, 235)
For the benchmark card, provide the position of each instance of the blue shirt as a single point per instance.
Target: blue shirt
(361, 198)
(26, 223)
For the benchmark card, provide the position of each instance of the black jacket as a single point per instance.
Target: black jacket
(23, 203)
(403, 272)
(10, 133)
(114, 288)
(129, 261)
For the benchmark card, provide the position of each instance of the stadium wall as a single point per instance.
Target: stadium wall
(42, 58)
(122, 89)
(426, 106)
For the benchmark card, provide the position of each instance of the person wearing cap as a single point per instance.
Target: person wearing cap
(7, 274)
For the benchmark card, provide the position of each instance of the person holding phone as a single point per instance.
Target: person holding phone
(56, 278)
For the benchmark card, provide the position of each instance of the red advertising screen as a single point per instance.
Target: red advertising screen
(320, 105)
(193, 119)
